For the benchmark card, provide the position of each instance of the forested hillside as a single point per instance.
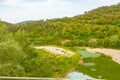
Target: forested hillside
(96, 28)
(18, 58)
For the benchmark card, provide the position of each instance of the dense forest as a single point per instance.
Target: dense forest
(96, 28)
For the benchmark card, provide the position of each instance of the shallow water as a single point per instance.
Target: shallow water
(86, 54)
(88, 64)
(78, 76)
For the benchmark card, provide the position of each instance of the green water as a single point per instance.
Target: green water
(97, 66)
(88, 64)
(86, 54)
(79, 75)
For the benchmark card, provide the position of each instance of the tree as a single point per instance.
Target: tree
(11, 69)
(11, 54)
(93, 43)
(114, 41)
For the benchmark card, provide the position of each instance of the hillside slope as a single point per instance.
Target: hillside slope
(96, 28)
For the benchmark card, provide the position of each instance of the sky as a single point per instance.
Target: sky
(15, 11)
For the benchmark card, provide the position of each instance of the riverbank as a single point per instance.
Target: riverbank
(115, 54)
(56, 50)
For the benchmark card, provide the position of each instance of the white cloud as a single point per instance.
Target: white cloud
(21, 10)
(10, 2)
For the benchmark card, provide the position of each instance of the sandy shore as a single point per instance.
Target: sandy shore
(115, 54)
(56, 50)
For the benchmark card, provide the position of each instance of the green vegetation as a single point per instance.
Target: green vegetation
(99, 67)
(97, 28)
(104, 68)
(17, 58)
(50, 65)
(11, 54)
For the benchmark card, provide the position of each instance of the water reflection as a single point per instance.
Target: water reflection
(86, 54)
(88, 64)
(78, 76)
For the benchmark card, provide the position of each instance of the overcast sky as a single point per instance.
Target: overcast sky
(21, 10)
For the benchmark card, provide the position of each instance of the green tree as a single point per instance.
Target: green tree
(11, 54)
(114, 41)
(93, 43)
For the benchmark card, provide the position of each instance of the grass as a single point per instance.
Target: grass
(49, 65)
(104, 67)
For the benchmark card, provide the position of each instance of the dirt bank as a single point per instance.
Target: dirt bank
(56, 50)
(115, 54)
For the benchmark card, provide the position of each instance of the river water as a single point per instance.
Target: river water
(78, 75)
